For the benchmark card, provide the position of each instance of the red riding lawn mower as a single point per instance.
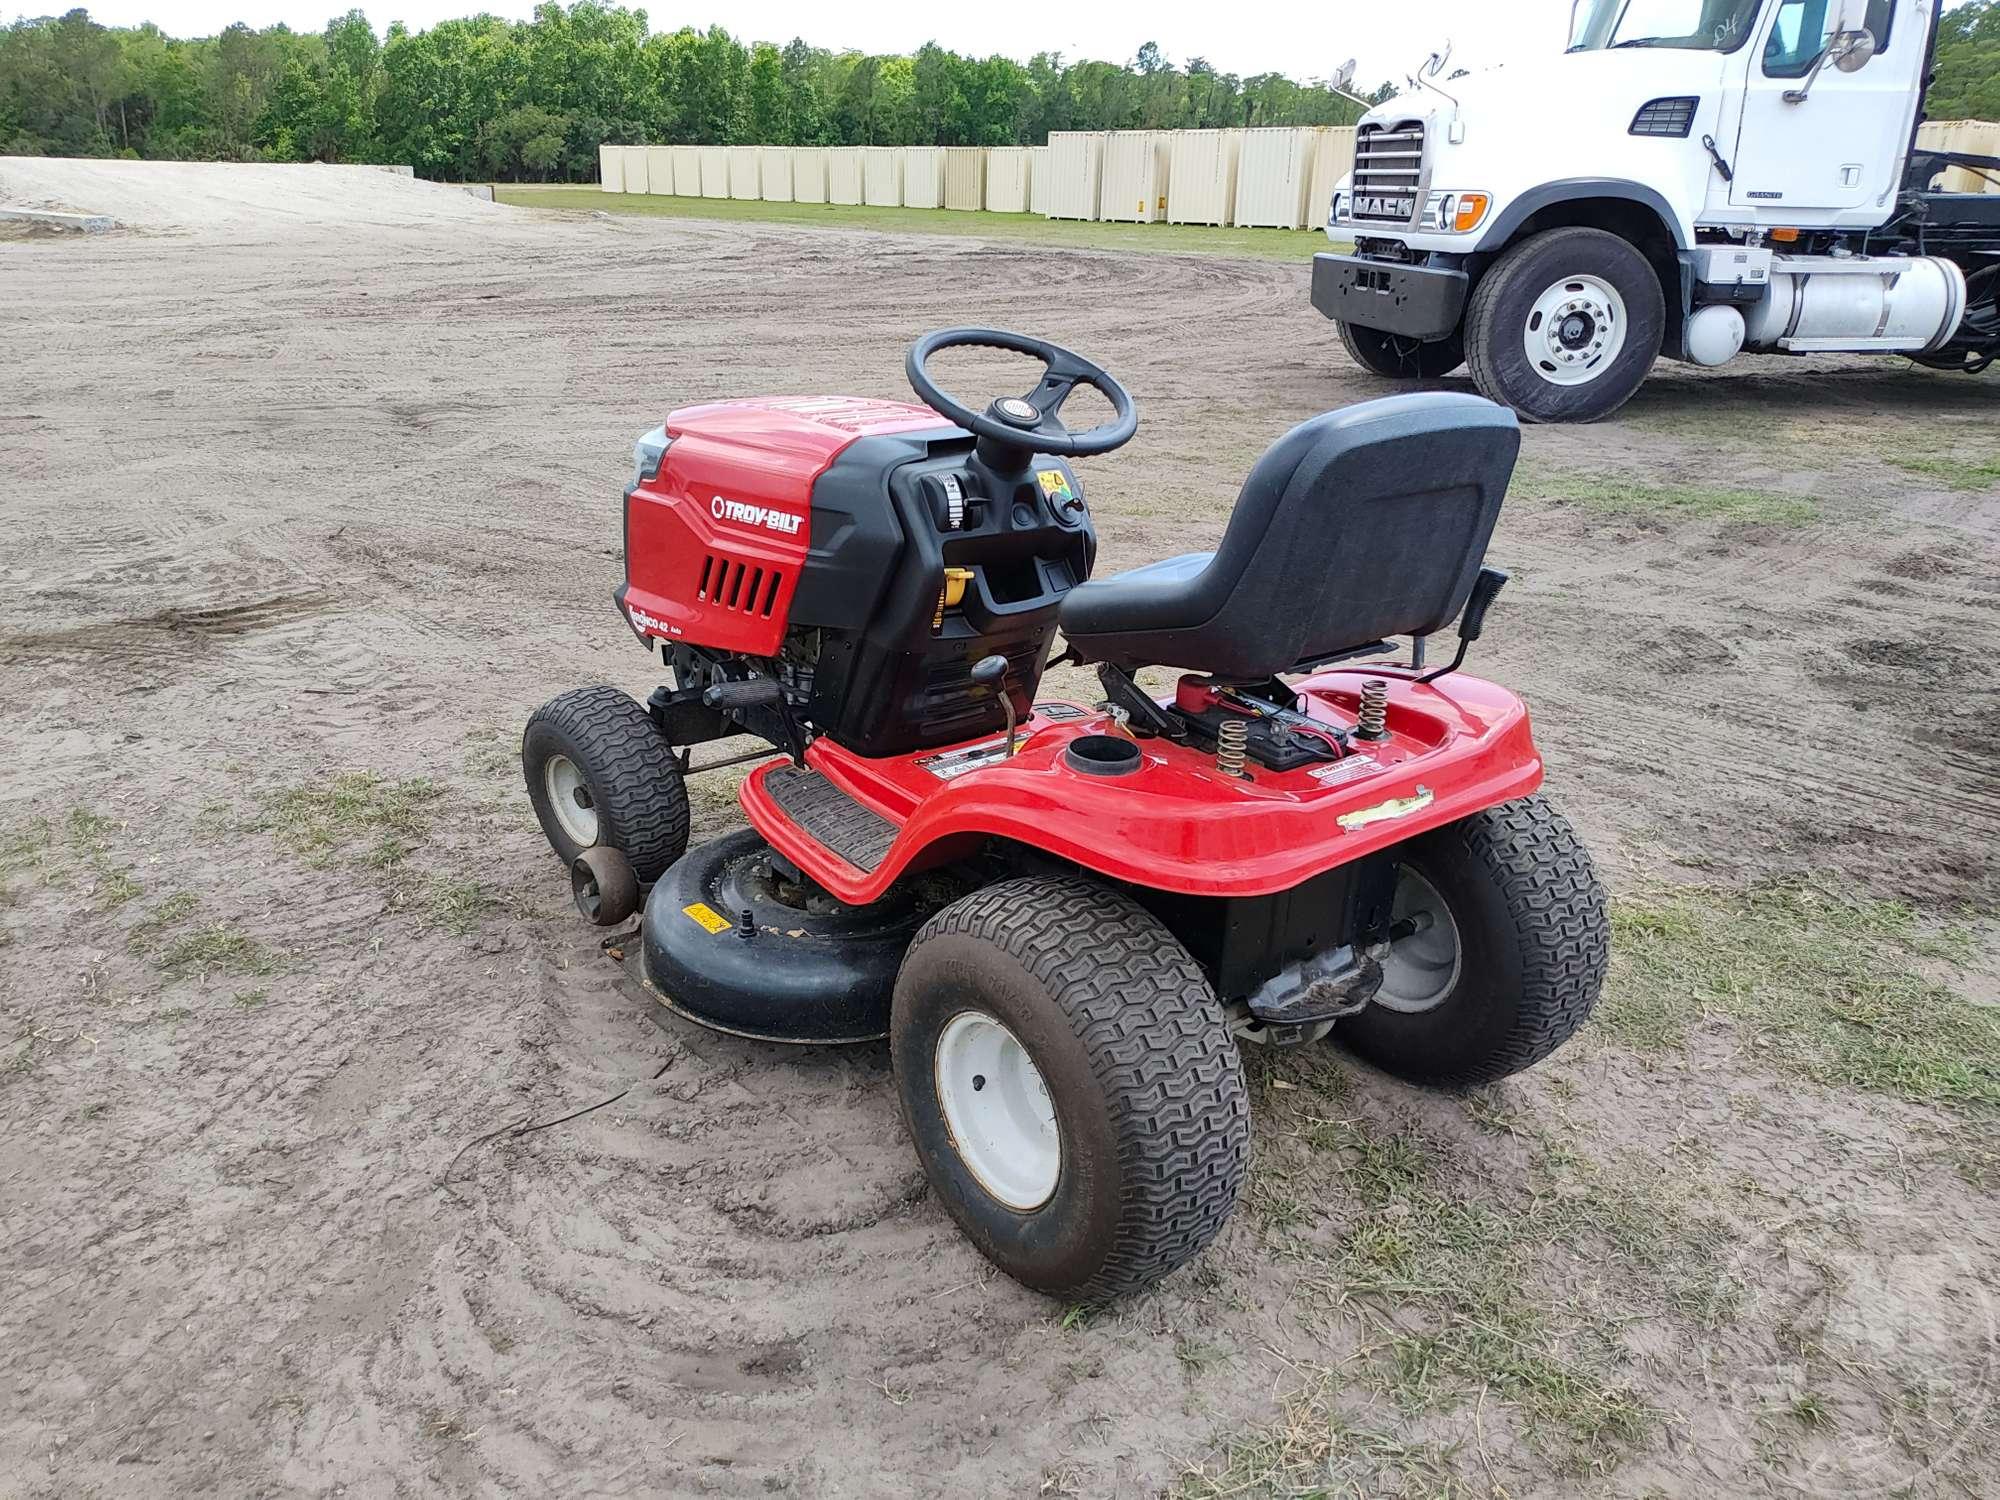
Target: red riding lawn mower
(1065, 916)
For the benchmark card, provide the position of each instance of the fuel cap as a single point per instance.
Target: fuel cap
(1017, 411)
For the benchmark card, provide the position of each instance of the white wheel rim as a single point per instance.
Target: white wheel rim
(998, 1111)
(1422, 967)
(1575, 330)
(564, 783)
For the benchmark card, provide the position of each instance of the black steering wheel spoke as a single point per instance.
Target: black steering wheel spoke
(1023, 426)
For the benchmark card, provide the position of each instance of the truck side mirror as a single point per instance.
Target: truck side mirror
(1343, 77)
(1853, 57)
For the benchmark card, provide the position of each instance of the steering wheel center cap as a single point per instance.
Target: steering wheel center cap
(1020, 413)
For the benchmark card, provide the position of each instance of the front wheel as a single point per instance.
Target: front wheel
(1071, 1085)
(1498, 950)
(1565, 326)
(1399, 357)
(600, 774)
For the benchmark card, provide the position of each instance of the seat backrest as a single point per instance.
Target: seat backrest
(1367, 522)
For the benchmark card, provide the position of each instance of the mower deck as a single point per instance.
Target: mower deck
(1177, 823)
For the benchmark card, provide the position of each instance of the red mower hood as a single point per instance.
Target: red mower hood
(805, 431)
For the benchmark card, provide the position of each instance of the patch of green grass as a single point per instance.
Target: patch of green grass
(1812, 1411)
(1617, 495)
(1827, 987)
(453, 902)
(1314, 1451)
(318, 820)
(219, 948)
(89, 832)
(250, 999)
(1195, 239)
(1953, 473)
(1511, 1286)
(115, 888)
(177, 908)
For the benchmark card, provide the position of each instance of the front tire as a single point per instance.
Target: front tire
(600, 773)
(1400, 358)
(1071, 1085)
(1565, 326)
(1507, 957)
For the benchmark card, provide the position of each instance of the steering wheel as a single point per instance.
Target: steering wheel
(1033, 423)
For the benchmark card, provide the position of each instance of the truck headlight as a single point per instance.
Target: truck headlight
(1456, 213)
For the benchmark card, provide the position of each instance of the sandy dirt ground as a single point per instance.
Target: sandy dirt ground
(301, 520)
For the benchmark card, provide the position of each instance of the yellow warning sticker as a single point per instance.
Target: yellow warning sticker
(1055, 484)
(708, 916)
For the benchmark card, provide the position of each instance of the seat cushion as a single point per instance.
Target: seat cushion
(1360, 524)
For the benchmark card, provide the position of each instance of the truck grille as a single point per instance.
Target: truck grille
(1388, 172)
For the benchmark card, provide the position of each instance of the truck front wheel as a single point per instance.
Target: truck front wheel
(1400, 357)
(1565, 325)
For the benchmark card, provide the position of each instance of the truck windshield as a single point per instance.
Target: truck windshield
(1697, 25)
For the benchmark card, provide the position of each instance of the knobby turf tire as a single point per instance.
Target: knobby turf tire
(1498, 312)
(635, 783)
(1140, 1067)
(1397, 358)
(1535, 941)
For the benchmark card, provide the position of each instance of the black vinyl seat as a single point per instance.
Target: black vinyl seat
(1367, 522)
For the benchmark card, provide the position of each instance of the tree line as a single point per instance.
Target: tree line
(490, 98)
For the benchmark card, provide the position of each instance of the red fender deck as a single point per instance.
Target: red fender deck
(1454, 748)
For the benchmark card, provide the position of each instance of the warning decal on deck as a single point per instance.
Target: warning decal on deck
(1346, 769)
(708, 916)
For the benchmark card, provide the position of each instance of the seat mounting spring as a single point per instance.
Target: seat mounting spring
(1372, 723)
(1231, 741)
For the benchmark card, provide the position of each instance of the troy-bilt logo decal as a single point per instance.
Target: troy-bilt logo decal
(780, 521)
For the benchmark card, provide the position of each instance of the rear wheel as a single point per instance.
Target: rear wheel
(600, 774)
(1499, 949)
(1565, 326)
(1071, 1085)
(1401, 357)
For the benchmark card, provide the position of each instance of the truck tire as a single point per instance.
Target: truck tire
(1565, 325)
(1071, 1085)
(1510, 960)
(600, 773)
(1400, 358)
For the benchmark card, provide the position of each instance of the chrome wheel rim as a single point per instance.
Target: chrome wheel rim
(569, 800)
(997, 1108)
(1575, 330)
(1423, 965)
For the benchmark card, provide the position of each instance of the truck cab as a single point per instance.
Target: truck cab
(1690, 177)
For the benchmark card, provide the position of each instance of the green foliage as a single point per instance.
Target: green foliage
(1968, 64)
(485, 97)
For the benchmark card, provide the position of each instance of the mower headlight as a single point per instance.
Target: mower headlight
(1456, 213)
(1341, 211)
(647, 453)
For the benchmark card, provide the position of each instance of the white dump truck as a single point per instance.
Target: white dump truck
(1694, 178)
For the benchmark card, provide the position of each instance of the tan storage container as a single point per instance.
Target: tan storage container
(635, 168)
(808, 174)
(774, 173)
(1041, 178)
(1970, 138)
(1273, 175)
(1332, 159)
(745, 180)
(923, 176)
(660, 170)
(965, 178)
(1008, 170)
(611, 168)
(714, 171)
(843, 174)
(1136, 168)
(882, 176)
(687, 171)
(1203, 175)
(1076, 170)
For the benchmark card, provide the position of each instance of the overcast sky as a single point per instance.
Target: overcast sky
(1262, 36)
